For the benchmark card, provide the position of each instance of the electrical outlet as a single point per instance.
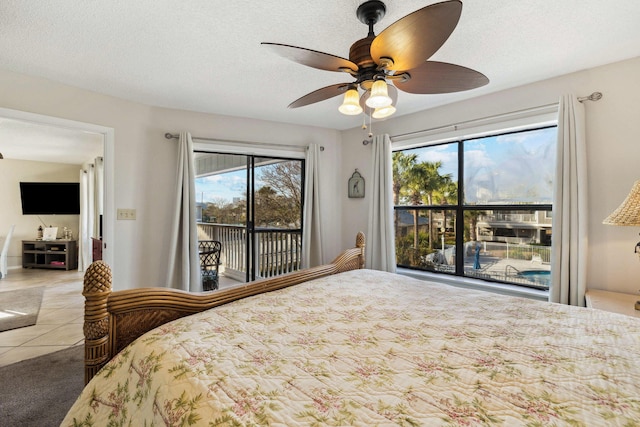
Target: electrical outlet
(126, 214)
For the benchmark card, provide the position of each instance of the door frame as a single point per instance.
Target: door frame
(253, 150)
(108, 134)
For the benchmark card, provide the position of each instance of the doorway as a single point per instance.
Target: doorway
(253, 205)
(62, 139)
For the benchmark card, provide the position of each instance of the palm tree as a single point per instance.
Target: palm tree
(472, 218)
(447, 194)
(419, 183)
(402, 164)
(427, 177)
(401, 167)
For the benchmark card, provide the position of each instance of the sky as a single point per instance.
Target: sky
(226, 186)
(501, 168)
(495, 167)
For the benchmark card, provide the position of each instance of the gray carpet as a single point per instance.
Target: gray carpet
(20, 308)
(40, 391)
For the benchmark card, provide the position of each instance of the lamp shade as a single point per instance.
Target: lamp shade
(628, 213)
(383, 112)
(379, 95)
(351, 103)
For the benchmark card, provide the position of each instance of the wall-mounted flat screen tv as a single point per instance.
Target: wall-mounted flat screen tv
(50, 198)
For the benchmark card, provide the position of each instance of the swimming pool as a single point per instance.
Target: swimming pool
(540, 277)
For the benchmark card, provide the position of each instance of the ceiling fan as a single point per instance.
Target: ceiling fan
(398, 55)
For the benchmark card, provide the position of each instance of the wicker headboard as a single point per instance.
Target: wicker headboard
(112, 320)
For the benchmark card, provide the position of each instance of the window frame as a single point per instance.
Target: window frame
(537, 123)
(251, 258)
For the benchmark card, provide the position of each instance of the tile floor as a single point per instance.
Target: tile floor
(61, 316)
(60, 319)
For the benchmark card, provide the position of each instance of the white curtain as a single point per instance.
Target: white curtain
(312, 231)
(569, 242)
(380, 252)
(87, 215)
(184, 263)
(91, 209)
(4, 254)
(98, 201)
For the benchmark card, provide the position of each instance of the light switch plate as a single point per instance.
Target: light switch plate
(126, 214)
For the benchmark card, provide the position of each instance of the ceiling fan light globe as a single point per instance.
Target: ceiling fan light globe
(383, 112)
(379, 95)
(350, 110)
(351, 103)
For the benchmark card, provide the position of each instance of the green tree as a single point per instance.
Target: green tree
(279, 200)
(425, 181)
(401, 167)
(446, 194)
(218, 211)
(472, 219)
(274, 209)
(419, 184)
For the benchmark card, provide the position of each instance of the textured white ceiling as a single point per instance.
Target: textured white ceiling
(23, 140)
(205, 55)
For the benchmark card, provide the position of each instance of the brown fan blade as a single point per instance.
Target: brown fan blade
(312, 58)
(320, 95)
(434, 77)
(415, 38)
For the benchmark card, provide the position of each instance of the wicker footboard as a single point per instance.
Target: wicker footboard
(112, 320)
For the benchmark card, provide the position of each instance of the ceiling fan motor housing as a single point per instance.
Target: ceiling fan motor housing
(368, 70)
(369, 13)
(360, 53)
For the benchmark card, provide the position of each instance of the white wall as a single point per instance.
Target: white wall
(12, 172)
(145, 163)
(613, 155)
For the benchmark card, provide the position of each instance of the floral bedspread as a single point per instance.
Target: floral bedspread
(368, 348)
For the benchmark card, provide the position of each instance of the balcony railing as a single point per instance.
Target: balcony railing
(508, 250)
(510, 217)
(277, 251)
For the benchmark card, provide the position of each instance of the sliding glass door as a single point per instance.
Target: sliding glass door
(253, 206)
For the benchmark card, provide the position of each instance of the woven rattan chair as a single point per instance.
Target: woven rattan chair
(209, 263)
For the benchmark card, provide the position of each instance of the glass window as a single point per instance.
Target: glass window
(427, 248)
(514, 168)
(426, 175)
(253, 206)
(479, 208)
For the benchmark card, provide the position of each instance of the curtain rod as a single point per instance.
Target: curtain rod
(249, 143)
(595, 96)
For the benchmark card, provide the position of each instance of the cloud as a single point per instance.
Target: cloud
(446, 153)
(221, 186)
(511, 168)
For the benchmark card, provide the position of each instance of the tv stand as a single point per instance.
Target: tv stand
(53, 254)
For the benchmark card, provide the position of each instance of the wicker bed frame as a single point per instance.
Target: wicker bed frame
(114, 319)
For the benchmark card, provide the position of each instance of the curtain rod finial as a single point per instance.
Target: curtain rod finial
(595, 96)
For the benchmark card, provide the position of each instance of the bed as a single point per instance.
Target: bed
(343, 345)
